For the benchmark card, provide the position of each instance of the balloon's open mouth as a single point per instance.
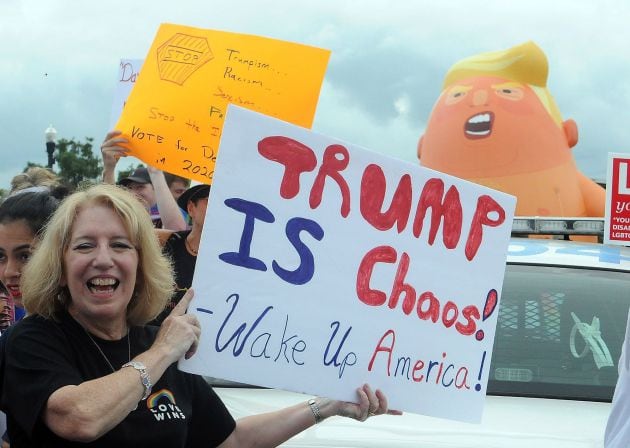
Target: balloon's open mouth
(479, 125)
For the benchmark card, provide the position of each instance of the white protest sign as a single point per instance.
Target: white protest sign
(324, 266)
(128, 72)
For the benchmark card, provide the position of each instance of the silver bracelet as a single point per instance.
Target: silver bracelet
(315, 410)
(144, 377)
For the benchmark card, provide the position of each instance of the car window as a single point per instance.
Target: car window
(559, 332)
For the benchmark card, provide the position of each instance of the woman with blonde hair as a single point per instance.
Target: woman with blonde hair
(35, 178)
(82, 367)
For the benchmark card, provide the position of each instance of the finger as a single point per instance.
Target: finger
(182, 306)
(373, 401)
(115, 141)
(192, 350)
(364, 404)
(113, 133)
(192, 320)
(114, 151)
(115, 146)
(382, 402)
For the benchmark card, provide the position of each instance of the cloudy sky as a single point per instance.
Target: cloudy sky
(59, 62)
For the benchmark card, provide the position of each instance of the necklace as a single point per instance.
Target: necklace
(103, 353)
(189, 247)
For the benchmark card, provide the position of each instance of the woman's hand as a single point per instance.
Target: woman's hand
(180, 332)
(371, 403)
(111, 152)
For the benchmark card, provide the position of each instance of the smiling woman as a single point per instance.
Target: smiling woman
(83, 366)
(100, 270)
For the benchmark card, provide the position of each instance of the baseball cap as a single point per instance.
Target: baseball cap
(197, 192)
(139, 175)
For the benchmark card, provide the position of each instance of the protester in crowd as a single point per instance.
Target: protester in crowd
(35, 178)
(6, 316)
(182, 247)
(6, 319)
(148, 184)
(22, 216)
(6, 308)
(83, 365)
(618, 426)
(176, 184)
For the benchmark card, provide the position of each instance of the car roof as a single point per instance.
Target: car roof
(568, 253)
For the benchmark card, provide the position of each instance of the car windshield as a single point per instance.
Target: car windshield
(559, 332)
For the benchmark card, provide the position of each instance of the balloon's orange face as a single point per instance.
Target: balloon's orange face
(491, 127)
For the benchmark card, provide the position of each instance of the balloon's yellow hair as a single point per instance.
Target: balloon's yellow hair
(525, 63)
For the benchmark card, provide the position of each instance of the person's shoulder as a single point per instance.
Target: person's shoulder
(36, 322)
(175, 237)
(163, 235)
(30, 328)
(180, 234)
(33, 322)
(166, 236)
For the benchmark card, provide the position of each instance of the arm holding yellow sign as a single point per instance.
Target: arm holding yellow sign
(111, 152)
(148, 184)
(170, 213)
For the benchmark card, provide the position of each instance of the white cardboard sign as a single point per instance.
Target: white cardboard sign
(324, 266)
(128, 71)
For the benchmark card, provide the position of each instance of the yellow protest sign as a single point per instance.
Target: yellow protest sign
(174, 115)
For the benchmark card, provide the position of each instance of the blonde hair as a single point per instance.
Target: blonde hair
(41, 284)
(34, 177)
(525, 63)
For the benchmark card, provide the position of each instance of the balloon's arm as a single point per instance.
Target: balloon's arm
(594, 196)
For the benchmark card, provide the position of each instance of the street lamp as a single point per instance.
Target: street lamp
(51, 142)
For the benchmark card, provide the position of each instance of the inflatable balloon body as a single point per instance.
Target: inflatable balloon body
(496, 124)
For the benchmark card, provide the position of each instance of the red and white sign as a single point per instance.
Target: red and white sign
(617, 223)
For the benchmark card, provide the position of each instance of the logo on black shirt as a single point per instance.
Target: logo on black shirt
(162, 406)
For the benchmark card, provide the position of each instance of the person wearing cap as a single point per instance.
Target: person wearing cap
(182, 246)
(148, 184)
(176, 184)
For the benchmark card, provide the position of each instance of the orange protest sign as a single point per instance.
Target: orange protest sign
(174, 115)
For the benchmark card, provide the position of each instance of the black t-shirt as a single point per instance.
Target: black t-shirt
(184, 266)
(43, 355)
